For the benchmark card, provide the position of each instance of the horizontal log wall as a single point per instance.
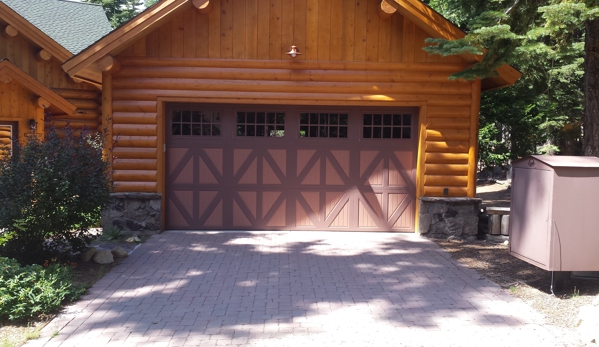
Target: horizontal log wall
(323, 30)
(88, 114)
(140, 82)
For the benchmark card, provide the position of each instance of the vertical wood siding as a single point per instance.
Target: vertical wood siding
(17, 103)
(349, 57)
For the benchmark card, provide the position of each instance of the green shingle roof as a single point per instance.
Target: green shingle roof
(73, 25)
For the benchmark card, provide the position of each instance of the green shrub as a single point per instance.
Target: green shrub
(28, 291)
(51, 192)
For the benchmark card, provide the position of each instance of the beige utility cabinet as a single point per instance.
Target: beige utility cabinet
(554, 221)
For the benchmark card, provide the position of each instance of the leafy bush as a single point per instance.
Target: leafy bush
(32, 290)
(51, 192)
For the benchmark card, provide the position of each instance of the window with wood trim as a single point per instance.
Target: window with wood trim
(328, 125)
(260, 124)
(8, 134)
(387, 126)
(195, 123)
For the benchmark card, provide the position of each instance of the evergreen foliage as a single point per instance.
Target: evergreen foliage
(543, 39)
(120, 11)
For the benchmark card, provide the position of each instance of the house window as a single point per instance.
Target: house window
(260, 124)
(387, 126)
(195, 123)
(8, 135)
(330, 125)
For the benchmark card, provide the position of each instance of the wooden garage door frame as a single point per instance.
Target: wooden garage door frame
(325, 157)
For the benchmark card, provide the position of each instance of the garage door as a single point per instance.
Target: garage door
(290, 168)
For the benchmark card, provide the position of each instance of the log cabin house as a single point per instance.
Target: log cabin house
(284, 114)
(35, 42)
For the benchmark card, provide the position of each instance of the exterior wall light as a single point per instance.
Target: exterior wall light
(293, 51)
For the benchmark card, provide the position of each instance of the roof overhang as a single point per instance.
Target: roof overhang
(9, 73)
(423, 16)
(124, 35)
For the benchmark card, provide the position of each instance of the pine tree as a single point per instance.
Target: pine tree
(119, 11)
(545, 39)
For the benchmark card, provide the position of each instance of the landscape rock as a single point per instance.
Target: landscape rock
(88, 253)
(103, 257)
(119, 252)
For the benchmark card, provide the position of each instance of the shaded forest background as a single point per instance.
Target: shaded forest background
(544, 112)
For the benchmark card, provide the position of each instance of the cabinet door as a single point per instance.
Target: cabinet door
(530, 225)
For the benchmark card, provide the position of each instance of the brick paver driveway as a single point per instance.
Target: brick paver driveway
(295, 289)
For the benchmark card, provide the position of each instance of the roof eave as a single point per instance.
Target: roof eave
(123, 35)
(36, 87)
(33, 33)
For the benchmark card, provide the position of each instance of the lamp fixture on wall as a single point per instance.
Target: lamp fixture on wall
(32, 125)
(293, 51)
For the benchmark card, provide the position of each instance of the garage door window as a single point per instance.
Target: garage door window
(387, 126)
(260, 124)
(331, 125)
(195, 123)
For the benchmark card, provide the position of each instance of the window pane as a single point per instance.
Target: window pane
(343, 119)
(216, 117)
(196, 117)
(206, 129)
(241, 130)
(240, 117)
(304, 118)
(186, 117)
(334, 131)
(396, 119)
(376, 133)
(367, 132)
(406, 133)
(367, 119)
(377, 119)
(397, 132)
(313, 131)
(386, 119)
(270, 131)
(177, 116)
(324, 118)
(251, 130)
(324, 131)
(260, 118)
(250, 118)
(280, 118)
(215, 129)
(407, 119)
(270, 118)
(260, 130)
(386, 133)
(343, 132)
(334, 119)
(176, 129)
(196, 129)
(303, 131)
(186, 129)
(313, 118)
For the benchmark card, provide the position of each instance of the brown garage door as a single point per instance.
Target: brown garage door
(290, 168)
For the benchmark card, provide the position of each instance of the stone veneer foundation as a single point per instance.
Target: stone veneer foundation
(134, 213)
(446, 217)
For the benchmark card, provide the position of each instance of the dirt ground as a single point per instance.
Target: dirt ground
(523, 280)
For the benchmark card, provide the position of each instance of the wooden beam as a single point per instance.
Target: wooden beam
(43, 55)
(9, 31)
(5, 78)
(203, 6)
(108, 64)
(40, 102)
(387, 9)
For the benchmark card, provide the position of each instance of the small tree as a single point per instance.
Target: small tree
(52, 191)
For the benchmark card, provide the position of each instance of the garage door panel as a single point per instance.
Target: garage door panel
(290, 182)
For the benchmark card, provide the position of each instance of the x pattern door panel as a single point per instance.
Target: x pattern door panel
(290, 183)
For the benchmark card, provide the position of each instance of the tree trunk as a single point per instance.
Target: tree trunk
(590, 119)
